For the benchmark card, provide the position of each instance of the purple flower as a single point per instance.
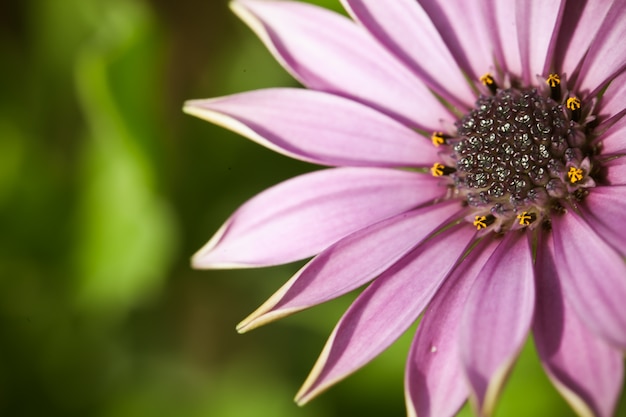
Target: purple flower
(478, 179)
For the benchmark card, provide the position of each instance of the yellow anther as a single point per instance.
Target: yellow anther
(437, 169)
(487, 79)
(575, 175)
(480, 222)
(489, 82)
(438, 138)
(526, 218)
(573, 103)
(553, 80)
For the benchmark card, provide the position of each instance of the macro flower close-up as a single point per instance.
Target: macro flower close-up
(475, 181)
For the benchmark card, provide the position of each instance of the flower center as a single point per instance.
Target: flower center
(516, 156)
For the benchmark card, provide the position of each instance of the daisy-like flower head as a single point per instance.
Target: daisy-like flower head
(478, 180)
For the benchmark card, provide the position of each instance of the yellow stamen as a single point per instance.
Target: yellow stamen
(526, 218)
(487, 79)
(437, 169)
(437, 138)
(489, 82)
(553, 80)
(480, 222)
(573, 103)
(575, 175)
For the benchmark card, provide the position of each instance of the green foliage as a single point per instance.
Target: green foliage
(107, 189)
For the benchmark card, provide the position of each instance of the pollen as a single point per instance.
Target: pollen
(437, 169)
(487, 79)
(575, 175)
(482, 222)
(525, 218)
(438, 138)
(553, 80)
(573, 103)
(489, 82)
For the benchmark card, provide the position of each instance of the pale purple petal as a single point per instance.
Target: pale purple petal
(596, 277)
(612, 106)
(604, 210)
(434, 381)
(404, 28)
(497, 318)
(326, 51)
(616, 171)
(537, 27)
(607, 54)
(506, 50)
(585, 370)
(465, 29)
(386, 309)
(614, 138)
(318, 127)
(353, 261)
(304, 215)
(581, 21)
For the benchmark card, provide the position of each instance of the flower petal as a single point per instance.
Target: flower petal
(434, 383)
(585, 370)
(595, 284)
(607, 54)
(404, 28)
(326, 51)
(497, 318)
(353, 261)
(537, 28)
(604, 210)
(581, 21)
(612, 107)
(616, 171)
(466, 30)
(386, 309)
(506, 50)
(317, 127)
(614, 138)
(304, 215)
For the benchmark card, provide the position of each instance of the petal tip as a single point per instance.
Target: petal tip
(486, 406)
(304, 396)
(315, 384)
(251, 322)
(206, 258)
(310, 389)
(264, 315)
(243, 327)
(202, 258)
(196, 108)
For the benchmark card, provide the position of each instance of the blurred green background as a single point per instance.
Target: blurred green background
(107, 189)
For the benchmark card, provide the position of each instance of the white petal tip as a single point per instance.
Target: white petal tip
(247, 324)
(302, 399)
(312, 386)
(204, 260)
(494, 389)
(195, 108)
(201, 260)
(242, 328)
(192, 106)
(306, 394)
(264, 315)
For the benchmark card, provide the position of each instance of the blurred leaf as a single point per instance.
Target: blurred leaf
(127, 235)
(11, 157)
